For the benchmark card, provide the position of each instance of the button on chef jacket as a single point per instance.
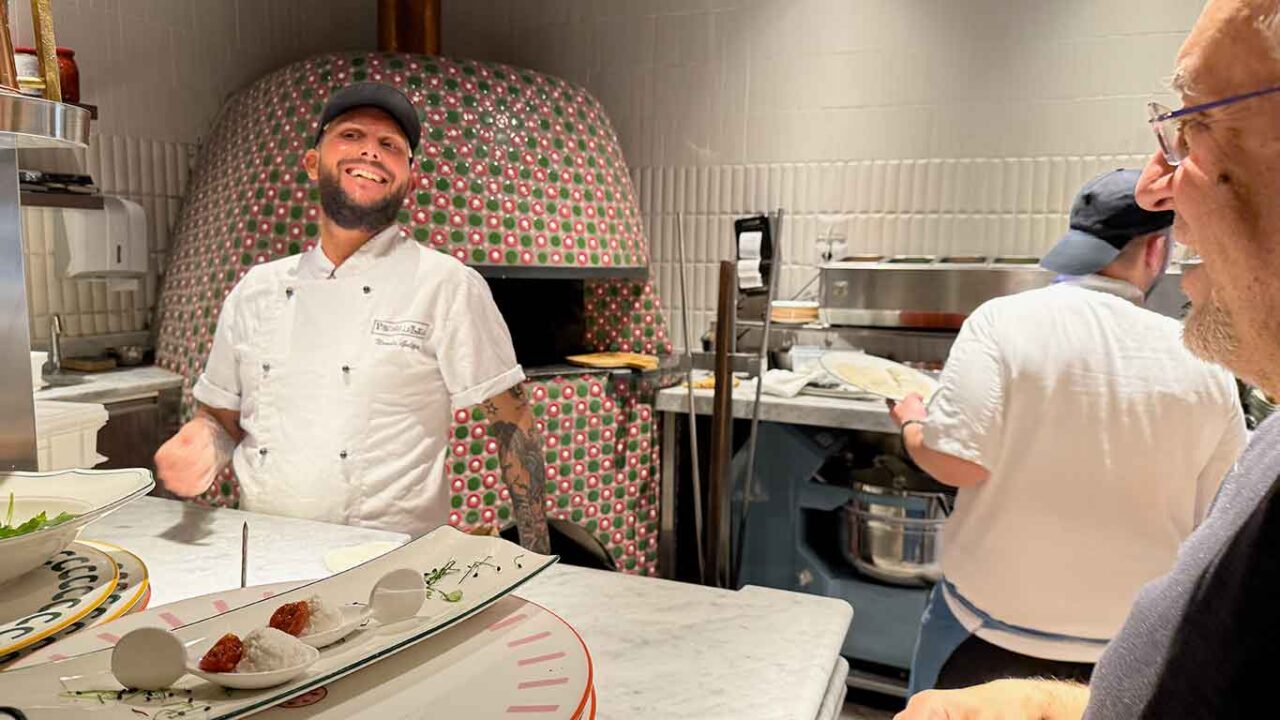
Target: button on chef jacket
(346, 380)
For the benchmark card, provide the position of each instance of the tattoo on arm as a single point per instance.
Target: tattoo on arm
(523, 467)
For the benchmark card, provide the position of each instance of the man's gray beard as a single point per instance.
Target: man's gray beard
(349, 215)
(1209, 334)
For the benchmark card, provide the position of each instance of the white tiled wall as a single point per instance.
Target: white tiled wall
(159, 70)
(935, 126)
(152, 173)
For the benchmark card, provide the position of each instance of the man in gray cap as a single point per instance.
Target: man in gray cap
(1086, 443)
(335, 374)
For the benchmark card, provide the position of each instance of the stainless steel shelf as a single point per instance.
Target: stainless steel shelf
(32, 123)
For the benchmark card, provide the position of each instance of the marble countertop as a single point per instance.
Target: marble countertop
(191, 550)
(665, 649)
(114, 385)
(872, 415)
(661, 649)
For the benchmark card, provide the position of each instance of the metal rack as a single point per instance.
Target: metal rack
(26, 123)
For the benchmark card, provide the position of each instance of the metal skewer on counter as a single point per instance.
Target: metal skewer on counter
(244, 555)
(693, 414)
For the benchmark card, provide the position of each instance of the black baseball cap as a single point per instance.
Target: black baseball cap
(1104, 218)
(371, 94)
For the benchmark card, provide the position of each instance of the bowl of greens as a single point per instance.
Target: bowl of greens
(42, 513)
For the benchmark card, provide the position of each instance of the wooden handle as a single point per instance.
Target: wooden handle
(47, 49)
(719, 484)
(8, 70)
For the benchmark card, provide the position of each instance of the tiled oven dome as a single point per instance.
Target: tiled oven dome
(516, 169)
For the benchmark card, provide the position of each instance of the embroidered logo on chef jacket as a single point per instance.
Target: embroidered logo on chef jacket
(400, 333)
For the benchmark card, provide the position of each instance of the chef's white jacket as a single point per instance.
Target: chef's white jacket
(347, 378)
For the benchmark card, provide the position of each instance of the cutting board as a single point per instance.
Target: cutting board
(89, 364)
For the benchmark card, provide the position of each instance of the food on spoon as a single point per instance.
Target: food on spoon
(224, 656)
(323, 616)
(39, 522)
(267, 649)
(292, 618)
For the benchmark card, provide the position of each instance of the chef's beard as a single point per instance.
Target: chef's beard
(1208, 332)
(350, 215)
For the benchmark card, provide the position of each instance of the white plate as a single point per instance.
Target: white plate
(102, 491)
(514, 660)
(492, 569)
(169, 617)
(250, 681)
(66, 588)
(131, 586)
(898, 379)
(345, 558)
(352, 617)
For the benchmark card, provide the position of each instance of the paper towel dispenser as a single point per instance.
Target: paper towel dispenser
(106, 243)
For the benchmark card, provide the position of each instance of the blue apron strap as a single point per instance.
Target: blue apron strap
(989, 622)
(940, 634)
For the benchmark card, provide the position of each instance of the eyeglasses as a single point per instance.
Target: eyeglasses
(1183, 256)
(1167, 123)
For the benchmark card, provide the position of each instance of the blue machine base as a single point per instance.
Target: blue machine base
(779, 548)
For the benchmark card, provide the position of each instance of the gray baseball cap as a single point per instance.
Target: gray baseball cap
(371, 94)
(1104, 218)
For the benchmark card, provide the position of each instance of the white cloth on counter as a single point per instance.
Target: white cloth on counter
(1105, 440)
(786, 383)
(346, 380)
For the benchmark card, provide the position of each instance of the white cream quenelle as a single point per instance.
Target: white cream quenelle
(267, 649)
(324, 616)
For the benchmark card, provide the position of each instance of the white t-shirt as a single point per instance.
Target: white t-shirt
(1105, 440)
(347, 379)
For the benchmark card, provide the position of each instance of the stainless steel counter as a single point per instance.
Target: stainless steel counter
(871, 415)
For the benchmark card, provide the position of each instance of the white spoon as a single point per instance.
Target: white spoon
(153, 658)
(397, 596)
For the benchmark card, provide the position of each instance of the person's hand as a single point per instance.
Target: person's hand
(910, 408)
(188, 462)
(1000, 700)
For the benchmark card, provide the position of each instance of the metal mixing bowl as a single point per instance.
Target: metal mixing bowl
(895, 535)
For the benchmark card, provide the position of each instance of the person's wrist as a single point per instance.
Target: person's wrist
(908, 423)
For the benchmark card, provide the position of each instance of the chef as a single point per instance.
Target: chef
(334, 374)
(1086, 442)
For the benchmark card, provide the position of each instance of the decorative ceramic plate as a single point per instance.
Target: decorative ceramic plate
(134, 583)
(171, 616)
(53, 596)
(877, 375)
(516, 660)
(131, 586)
(94, 493)
(475, 572)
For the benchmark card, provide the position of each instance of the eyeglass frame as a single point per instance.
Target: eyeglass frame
(1161, 115)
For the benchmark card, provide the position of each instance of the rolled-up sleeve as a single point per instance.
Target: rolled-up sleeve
(966, 414)
(219, 384)
(474, 349)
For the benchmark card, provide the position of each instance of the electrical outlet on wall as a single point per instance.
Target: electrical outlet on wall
(831, 247)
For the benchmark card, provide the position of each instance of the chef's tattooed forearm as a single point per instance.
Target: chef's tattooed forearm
(523, 467)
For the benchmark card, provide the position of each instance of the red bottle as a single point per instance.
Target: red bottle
(69, 74)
